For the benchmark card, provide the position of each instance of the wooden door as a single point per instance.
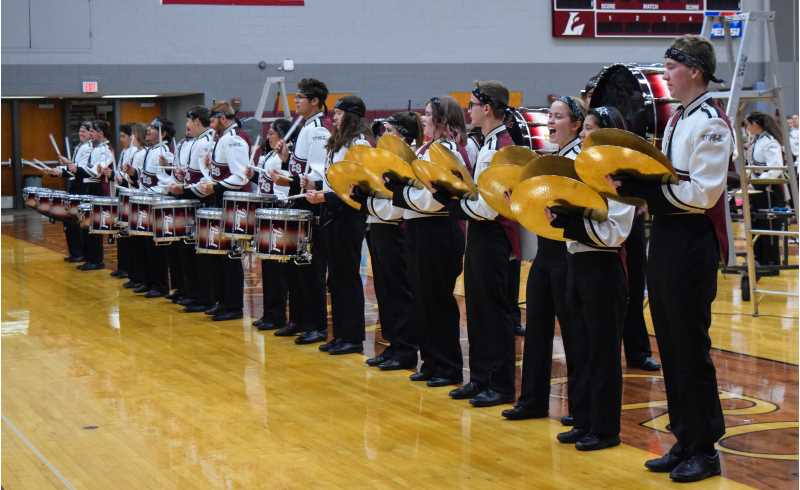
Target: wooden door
(138, 111)
(37, 120)
(7, 176)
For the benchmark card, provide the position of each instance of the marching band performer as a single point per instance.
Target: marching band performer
(137, 260)
(345, 231)
(175, 249)
(597, 295)
(407, 126)
(436, 250)
(688, 239)
(72, 230)
(100, 158)
(125, 155)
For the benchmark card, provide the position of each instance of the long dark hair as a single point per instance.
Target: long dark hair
(767, 123)
(608, 117)
(350, 127)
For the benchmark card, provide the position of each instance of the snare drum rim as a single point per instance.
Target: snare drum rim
(283, 213)
(228, 196)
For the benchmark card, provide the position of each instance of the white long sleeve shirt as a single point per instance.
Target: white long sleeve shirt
(421, 201)
(766, 151)
(197, 169)
(269, 162)
(152, 177)
(478, 209)
(230, 158)
(100, 157)
(309, 156)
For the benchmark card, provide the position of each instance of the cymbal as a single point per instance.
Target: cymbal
(620, 137)
(398, 146)
(381, 161)
(344, 176)
(456, 171)
(550, 165)
(533, 195)
(514, 155)
(432, 175)
(357, 153)
(496, 185)
(594, 163)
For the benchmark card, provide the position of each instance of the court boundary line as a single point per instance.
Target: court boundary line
(38, 454)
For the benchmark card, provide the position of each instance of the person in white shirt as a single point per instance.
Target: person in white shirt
(72, 230)
(130, 167)
(687, 241)
(125, 154)
(99, 159)
(794, 136)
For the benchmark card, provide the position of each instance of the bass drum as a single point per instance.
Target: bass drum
(518, 128)
(536, 119)
(641, 95)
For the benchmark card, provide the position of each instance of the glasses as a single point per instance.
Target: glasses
(471, 104)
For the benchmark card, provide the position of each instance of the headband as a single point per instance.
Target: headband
(351, 105)
(603, 115)
(486, 99)
(691, 61)
(574, 108)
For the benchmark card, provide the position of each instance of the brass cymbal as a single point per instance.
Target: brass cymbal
(344, 176)
(496, 185)
(381, 161)
(357, 153)
(432, 175)
(514, 155)
(456, 171)
(398, 146)
(550, 165)
(620, 137)
(533, 195)
(594, 163)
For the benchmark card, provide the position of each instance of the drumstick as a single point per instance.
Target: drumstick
(255, 148)
(292, 129)
(66, 146)
(55, 146)
(32, 164)
(292, 198)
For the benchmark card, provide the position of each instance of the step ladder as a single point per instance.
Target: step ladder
(738, 99)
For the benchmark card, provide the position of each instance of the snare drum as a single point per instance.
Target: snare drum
(173, 220)
(240, 212)
(43, 200)
(29, 196)
(209, 236)
(283, 235)
(104, 216)
(124, 208)
(85, 215)
(59, 202)
(140, 218)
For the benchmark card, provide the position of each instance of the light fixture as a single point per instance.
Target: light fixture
(129, 96)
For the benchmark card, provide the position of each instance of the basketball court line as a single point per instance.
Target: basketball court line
(37, 453)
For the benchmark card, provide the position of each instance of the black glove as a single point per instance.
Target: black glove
(633, 187)
(393, 185)
(442, 196)
(572, 223)
(359, 195)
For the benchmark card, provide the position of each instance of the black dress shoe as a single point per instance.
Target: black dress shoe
(195, 308)
(325, 347)
(176, 295)
(571, 436)
(567, 421)
(185, 301)
(311, 337)
(696, 468)
(154, 293)
(88, 266)
(438, 381)
(647, 364)
(376, 361)
(228, 315)
(215, 310)
(142, 288)
(521, 412)
(258, 322)
(420, 376)
(594, 442)
(345, 347)
(396, 365)
(115, 273)
(73, 260)
(122, 275)
(290, 330)
(465, 392)
(269, 326)
(490, 398)
(665, 463)
(519, 330)
(131, 284)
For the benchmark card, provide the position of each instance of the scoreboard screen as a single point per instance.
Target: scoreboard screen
(633, 18)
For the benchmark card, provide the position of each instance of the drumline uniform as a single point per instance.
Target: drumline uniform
(688, 238)
(343, 234)
(176, 249)
(307, 281)
(91, 173)
(275, 274)
(72, 229)
(155, 180)
(387, 245)
(123, 241)
(766, 151)
(435, 243)
(545, 300)
(491, 245)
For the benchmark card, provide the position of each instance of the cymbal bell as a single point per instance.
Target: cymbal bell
(594, 163)
(432, 176)
(496, 185)
(381, 161)
(532, 196)
(456, 171)
(620, 137)
(550, 165)
(398, 146)
(344, 176)
(357, 153)
(514, 155)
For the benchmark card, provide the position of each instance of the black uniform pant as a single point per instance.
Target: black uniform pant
(227, 277)
(489, 326)
(767, 248)
(137, 259)
(275, 290)
(436, 246)
(175, 266)
(387, 250)
(634, 334)
(307, 284)
(597, 296)
(206, 290)
(190, 282)
(72, 232)
(92, 244)
(545, 300)
(344, 240)
(156, 260)
(123, 252)
(514, 267)
(682, 283)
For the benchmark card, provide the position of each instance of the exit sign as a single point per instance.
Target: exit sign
(89, 87)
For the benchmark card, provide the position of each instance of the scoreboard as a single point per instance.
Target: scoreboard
(633, 18)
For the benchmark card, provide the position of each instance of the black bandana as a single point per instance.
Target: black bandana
(574, 108)
(351, 104)
(692, 62)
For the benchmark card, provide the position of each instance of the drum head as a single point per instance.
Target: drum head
(618, 87)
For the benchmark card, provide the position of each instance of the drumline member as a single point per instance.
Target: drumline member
(490, 246)
(125, 155)
(132, 168)
(597, 295)
(688, 239)
(100, 158)
(198, 293)
(545, 291)
(175, 249)
(307, 282)
(387, 250)
(72, 229)
(766, 149)
(274, 274)
(229, 157)
(436, 249)
(344, 232)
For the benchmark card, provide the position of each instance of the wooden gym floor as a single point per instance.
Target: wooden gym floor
(105, 389)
